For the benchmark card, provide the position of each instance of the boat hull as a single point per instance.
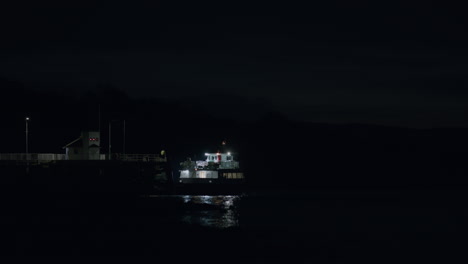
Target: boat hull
(210, 189)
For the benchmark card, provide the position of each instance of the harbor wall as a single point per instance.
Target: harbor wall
(88, 176)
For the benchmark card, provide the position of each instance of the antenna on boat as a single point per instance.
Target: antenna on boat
(222, 148)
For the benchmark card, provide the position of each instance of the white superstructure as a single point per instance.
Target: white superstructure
(215, 166)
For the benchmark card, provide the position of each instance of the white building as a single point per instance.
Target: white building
(85, 147)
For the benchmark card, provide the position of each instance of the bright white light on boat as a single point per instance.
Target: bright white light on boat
(229, 153)
(206, 154)
(184, 174)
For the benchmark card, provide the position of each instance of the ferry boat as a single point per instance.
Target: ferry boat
(219, 173)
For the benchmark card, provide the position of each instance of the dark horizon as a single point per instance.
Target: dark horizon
(238, 108)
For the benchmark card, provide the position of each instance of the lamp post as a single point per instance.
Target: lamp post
(110, 146)
(123, 150)
(26, 120)
(27, 149)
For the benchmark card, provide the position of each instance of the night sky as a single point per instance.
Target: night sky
(397, 63)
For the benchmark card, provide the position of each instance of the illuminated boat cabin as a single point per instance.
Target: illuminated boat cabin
(215, 166)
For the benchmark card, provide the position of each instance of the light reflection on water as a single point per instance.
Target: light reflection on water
(217, 211)
(211, 211)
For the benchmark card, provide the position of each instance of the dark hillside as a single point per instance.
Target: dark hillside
(273, 150)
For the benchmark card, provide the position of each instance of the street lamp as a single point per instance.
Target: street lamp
(27, 150)
(110, 145)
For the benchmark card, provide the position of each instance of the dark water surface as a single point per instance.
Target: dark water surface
(331, 226)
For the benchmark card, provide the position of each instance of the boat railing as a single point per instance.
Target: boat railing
(221, 165)
(32, 157)
(229, 165)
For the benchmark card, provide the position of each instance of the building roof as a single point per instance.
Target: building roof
(76, 142)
